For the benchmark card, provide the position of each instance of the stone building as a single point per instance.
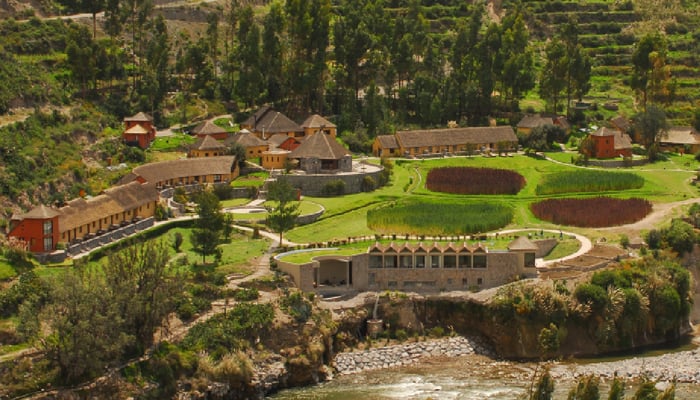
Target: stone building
(416, 267)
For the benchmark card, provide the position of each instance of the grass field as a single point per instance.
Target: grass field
(6, 270)
(346, 216)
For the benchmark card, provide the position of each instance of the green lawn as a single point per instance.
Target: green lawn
(346, 216)
(170, 143)
(255, 179)
(6, 270)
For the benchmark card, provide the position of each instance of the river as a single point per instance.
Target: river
(479, 377)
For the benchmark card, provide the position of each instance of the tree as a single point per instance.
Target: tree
(553, 77)
(587, 388)
(208, 228)
(282, 217)
(650, 125)
(144, 286)
(84, 326)
(680, 236)
(649, 78)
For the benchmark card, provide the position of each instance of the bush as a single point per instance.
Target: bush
(334, 188)
(368, 184)
(593, 295)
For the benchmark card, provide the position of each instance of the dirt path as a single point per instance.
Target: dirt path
(661, 212)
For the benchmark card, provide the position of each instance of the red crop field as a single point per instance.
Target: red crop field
(467, 180)
(596, 212)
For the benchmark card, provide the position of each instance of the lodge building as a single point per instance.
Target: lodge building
(421, 266)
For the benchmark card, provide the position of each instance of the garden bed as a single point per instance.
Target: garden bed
(469, 180)
(596, 212)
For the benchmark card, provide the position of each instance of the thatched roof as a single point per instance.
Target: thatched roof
(522, 243)
(322, 147)
(388, 141)
(207, 143)
(39, 212)
(533, 121)
(247, 139)
(80, 212)
(317, 121)
(140, 117)
(208, 128)
(456, 136)
(270, 121)
(681, 135)
(137, 130)
(175, 169)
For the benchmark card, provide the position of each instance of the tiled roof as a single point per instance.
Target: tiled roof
(317, 121)
(174, 169)
(322, 147)
(277, 139)
(137, 130)
(207, 143)
(456, 136)
(115, 200)
(208, 128)
(140, 117)
(681, 135)
(388, 141)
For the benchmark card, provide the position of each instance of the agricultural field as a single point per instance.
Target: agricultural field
(596, 212)
(588, 181)
(350, 216)
(439, 217)
(469, 180)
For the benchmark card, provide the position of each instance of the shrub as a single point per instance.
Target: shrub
(296, 306)
(334, 188)
(593, 295)
(368, 184)
(592, 212)
(468, 180)
(588, 181)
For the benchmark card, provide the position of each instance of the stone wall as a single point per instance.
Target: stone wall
(312, 185)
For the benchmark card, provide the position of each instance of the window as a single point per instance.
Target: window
(390, 261)
(375, 261)
(406, 261)
(530, 260)
(449, 261)
(465, 261)
(480, 261)
(48, 243)
(48, 227)
(435, 261)
(479, 281)
(420, 261)
(217, 178)
(372, 279)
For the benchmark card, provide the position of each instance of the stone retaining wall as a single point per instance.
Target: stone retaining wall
(616, 163)
(312, 185)
(405, 354)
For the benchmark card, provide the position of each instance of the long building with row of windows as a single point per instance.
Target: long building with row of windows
(134, 199)
(410, 267)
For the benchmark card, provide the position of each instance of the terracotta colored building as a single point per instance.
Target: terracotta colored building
(207, 146)
(610, 143)
(680, 139)
(44, 227)
(209, 128)
(267, 122)
(253, 145)
(317, 123)
(283, 142)
(139, 130)
(186, 172)
(530, 122)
